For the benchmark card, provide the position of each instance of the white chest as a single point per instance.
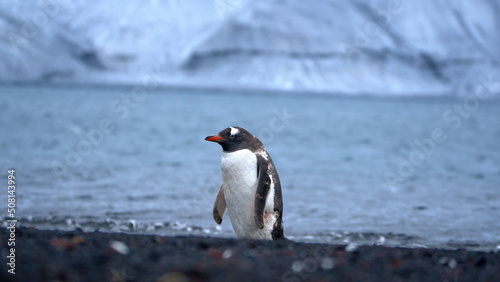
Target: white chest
(239, 173)
(239, 169)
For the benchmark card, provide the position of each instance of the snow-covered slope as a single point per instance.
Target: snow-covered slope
(387, 47)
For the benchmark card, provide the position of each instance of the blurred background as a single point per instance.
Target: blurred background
(382, 116)
(384, 47)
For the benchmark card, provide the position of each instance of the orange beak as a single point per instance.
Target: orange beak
(214, 138)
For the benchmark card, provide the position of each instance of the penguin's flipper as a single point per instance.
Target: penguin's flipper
(219, 206)
(263, 186)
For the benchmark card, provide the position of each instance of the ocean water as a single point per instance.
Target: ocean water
(392, 171)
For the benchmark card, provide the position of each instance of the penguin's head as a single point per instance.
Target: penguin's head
(232, 139)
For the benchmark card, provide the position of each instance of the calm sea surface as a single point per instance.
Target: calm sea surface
(402, 171)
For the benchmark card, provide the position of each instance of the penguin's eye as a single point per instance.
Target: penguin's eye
(232, 136)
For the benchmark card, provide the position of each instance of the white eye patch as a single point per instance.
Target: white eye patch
(234, 131)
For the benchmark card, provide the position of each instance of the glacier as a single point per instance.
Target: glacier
(372, 47)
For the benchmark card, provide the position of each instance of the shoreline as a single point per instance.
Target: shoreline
(247, 91)
(48, 255)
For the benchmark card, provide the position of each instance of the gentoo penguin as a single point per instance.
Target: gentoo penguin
(251, 188)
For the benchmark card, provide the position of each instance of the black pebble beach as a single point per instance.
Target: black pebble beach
(43, 255)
